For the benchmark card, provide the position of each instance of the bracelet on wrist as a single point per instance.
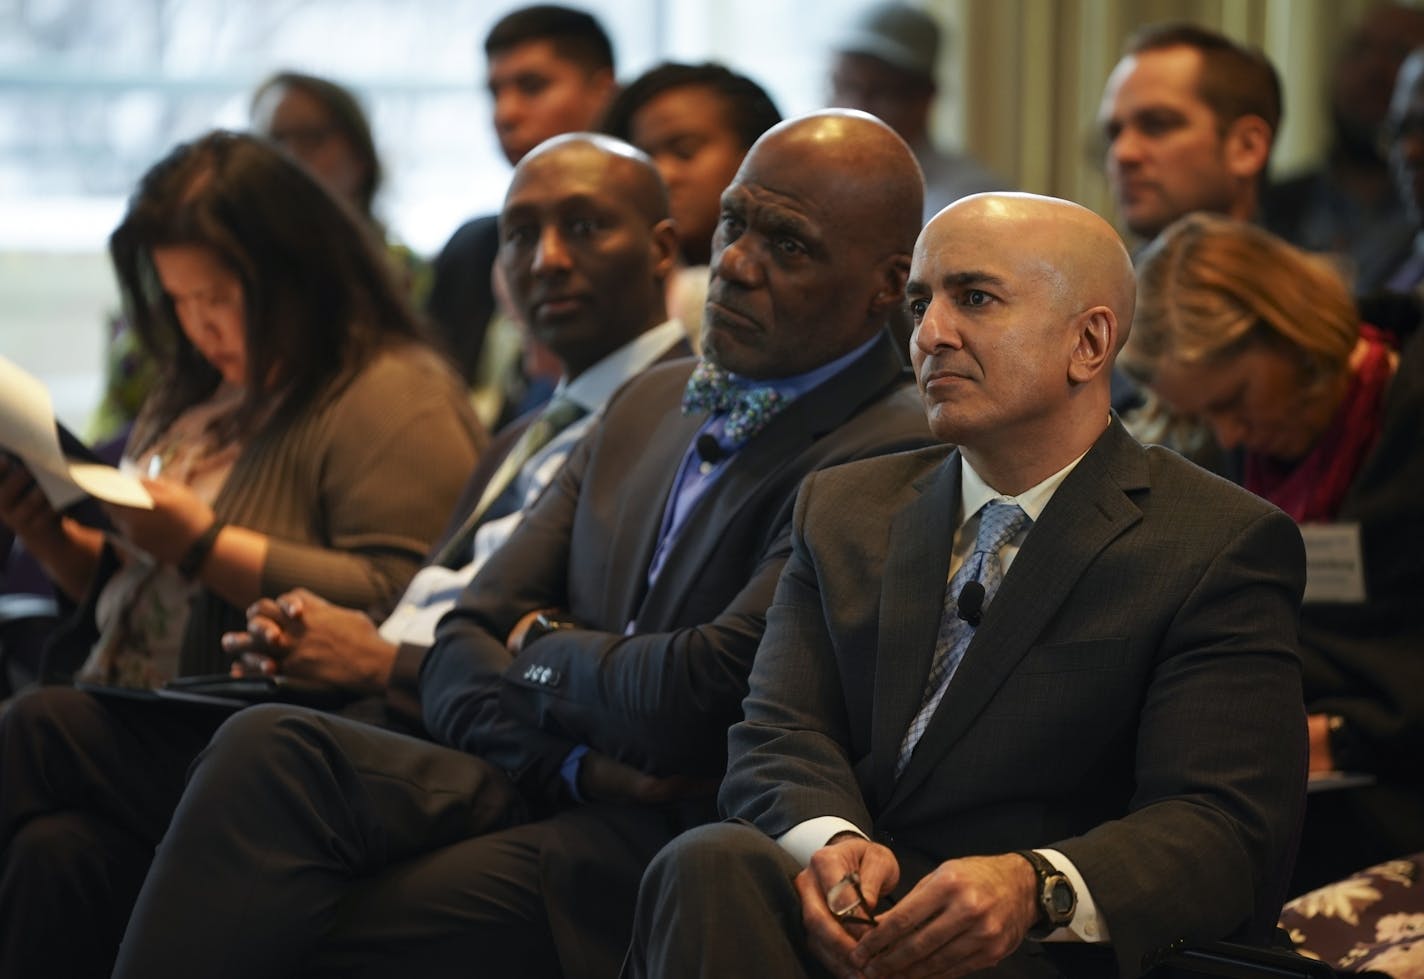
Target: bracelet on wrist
(199, 550)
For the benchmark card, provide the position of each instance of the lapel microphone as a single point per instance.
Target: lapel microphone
(709, 451)
(971, 603)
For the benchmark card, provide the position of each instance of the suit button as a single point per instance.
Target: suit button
(887, 838)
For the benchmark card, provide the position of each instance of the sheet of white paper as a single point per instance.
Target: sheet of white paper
(110, 485)
(1334, 562)
(27, 428)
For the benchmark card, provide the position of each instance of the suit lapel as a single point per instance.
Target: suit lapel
(761, 461)
(640, 514)
(916, 569)
(1086, 514)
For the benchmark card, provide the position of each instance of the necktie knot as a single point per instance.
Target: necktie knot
(998, 523)
(557, 415)
(747, 409)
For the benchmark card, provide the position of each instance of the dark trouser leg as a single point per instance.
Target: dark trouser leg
(470, 909)
(719, 902)
(87, 785)
(68, 882)
(1347, 830)
(284, 813)
(553, 898)
(592, 868)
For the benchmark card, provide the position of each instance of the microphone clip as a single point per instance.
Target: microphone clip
(970, 604)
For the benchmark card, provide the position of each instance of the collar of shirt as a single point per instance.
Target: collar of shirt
(975, 494)
(595, 386)
(791, 388)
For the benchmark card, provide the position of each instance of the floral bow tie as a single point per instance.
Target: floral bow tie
(747, 409)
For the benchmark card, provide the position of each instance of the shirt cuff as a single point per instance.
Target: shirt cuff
(569, 770)
(805, 838)
(1087, 925)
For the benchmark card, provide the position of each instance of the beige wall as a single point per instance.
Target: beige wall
(1025, 76)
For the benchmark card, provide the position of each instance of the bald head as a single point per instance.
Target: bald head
(1066, 240)
(585, 245)
(1020, 305)
(602, 158)
(868, 173)
(810, 257)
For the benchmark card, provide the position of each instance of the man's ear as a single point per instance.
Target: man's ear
(599, 87)
(1248, 146)
(664, 247)
(602, 82)
(892, 274)
(1095, 341)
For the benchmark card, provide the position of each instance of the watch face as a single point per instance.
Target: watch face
(1061, 899)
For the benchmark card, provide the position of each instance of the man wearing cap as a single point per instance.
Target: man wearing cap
(885, 65)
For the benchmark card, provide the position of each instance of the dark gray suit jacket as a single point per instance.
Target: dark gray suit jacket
(1131, 698)
(660, 700)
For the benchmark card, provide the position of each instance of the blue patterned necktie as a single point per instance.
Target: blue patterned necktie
(747, 409)
(998, 523)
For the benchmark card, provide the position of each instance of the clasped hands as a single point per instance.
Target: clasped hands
(301, 634)
(966, 915)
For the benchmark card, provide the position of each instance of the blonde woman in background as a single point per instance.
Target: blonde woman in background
(1324, 417)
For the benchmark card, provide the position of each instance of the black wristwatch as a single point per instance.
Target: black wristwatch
(1056, 898)
(192, 561)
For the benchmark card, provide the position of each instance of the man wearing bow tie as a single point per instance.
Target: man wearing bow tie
(582, 688)
(1037, 682)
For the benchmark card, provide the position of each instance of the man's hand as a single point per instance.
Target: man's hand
(300, 634)
(515, 641)
(965, 915)
(602, 779)
(23, 506)
(1321, 759)
(68, 552)
(829, 939)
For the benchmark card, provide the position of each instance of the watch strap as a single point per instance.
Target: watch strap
(199, 550)
(1049, 920)
(542, 625)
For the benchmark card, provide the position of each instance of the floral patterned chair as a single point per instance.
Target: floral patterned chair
(1370, 922)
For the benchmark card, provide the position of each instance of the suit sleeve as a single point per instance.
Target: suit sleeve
(662, 701)
(787, 760)
(1226, 684)
(462, 676)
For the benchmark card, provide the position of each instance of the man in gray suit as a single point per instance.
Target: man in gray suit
(1093, 737)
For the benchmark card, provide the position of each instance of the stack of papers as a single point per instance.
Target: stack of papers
(63, 466)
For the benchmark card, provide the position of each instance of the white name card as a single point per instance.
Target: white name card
(1334, 563)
